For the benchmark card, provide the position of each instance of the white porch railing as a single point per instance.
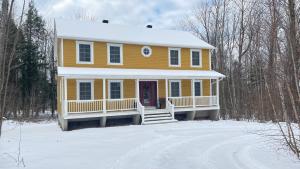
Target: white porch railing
(121, 104)
(187, 101)
(79, 106)
(206, 100)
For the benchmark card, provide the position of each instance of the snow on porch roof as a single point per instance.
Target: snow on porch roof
(97, 31)
(72, 72)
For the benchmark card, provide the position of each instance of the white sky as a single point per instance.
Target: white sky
(159, 13)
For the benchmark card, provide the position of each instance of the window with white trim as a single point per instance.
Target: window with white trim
(115, 89)
(174, 57)
(175, 88)
(115, 54)
(85, 90)
(198, 88)
(196, 58)
(84, 52)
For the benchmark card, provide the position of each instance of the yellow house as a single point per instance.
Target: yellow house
(115, 71)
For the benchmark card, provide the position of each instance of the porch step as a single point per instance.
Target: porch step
(157, 116)
(159, 122)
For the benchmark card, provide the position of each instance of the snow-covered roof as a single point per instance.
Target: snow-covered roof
(117, 73)
(98, 31)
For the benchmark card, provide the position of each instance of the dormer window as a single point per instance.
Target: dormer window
(115, 54)
(84, 52)
(174, 57)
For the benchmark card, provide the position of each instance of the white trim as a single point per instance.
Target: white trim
(170, 90)
(108, 53)
(200, 57)
(121, 84)
(150, 51)
(78, 88)
(201, 83)
(91, 52)
(62, 51)
(209, 58)
(179, 57)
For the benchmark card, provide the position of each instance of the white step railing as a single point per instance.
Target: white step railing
(171, 108)
(121, 104)
(141, 110)
(187, 101)
(79, 106)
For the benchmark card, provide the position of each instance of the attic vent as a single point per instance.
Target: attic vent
(105, 21)
(149, 26)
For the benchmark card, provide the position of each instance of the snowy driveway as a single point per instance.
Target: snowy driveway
(182, 145)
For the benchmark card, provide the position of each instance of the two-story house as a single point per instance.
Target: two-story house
(115, 71)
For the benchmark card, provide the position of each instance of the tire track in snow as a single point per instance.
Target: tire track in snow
(156, 148)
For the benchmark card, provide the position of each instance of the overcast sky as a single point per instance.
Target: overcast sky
(159, 13)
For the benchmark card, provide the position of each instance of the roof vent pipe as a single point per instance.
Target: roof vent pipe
(105, 21)
(149, 26)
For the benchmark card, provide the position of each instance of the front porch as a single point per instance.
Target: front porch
(106, 102)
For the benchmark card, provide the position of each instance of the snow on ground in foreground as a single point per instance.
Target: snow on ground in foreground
(181, 145)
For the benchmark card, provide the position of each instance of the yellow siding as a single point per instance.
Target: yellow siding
(161, 89)
(206, 87)
(132, 57)
(129, 88)
(186, 88)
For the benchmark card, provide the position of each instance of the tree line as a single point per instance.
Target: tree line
(258, 49)
(27, 63)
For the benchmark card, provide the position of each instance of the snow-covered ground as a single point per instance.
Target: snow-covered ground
(181, 145)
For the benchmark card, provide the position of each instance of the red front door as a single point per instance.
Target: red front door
(148, 93)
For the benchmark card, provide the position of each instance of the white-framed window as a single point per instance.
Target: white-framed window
(115, 89)
(196, 58)
(114, 54)
(146, 51)
(198, 88)
(84, 52)
(174, 57)
(85, 89)
(175, 88)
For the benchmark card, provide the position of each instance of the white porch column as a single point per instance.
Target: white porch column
(167, 95)
(217, 90)
(193, 92)
(104, 94)
(65, 96)
(137, 89)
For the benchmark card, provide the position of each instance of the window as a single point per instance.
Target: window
(198, 88)
(85, 90)
(146, 51)
(174, 57)
(196, 58)
(175, 87)
(115, 89)
(84, 52)
(115, 54)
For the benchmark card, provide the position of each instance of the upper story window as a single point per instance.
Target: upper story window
(115, 54)
(175, 88)
(84, 52)
(174, 57)
(146, 51)
(198, 88)
(115, 89)
(85, 89)
(196, 58)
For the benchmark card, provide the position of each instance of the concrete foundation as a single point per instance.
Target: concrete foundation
(102, 121)
(214, 115)
(191, 115)
(136, 119)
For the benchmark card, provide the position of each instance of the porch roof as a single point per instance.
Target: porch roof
(117, 73)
